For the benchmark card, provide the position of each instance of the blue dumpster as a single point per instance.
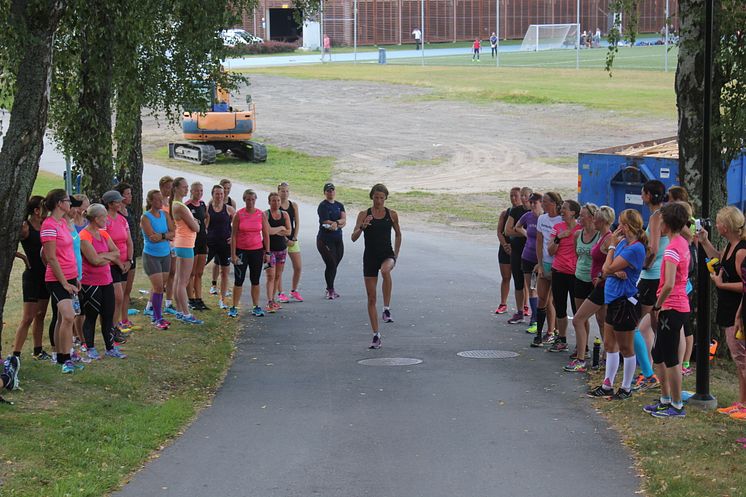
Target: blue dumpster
(614, 176)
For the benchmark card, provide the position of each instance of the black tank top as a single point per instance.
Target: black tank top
(199, 211)
(378, 235)
(728, 301)
(32, 248)
(291, 215)
(276, 242)
(220, 225)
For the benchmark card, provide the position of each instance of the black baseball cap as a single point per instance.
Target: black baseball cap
(75, 202)
(329, 186)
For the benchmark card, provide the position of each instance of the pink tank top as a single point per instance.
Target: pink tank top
(597, 257)
(249, 236)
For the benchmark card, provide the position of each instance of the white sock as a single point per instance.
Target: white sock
(630, 363)
(386, 308)
(149, 305)
(168, 303)
(612, 365)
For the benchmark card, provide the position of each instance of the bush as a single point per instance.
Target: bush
(267, 47)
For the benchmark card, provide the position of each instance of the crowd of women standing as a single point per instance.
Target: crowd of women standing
(634, 280)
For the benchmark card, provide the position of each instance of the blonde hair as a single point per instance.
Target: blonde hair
(633, 220)
(733, 219)
(607, 214)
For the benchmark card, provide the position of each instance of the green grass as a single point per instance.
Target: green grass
(82, 434)
(638, 93)
(46, 181)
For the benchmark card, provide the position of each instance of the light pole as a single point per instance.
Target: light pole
(497, 32)
(354, 29)
(666, 41)
(422, 29)
(577, 40)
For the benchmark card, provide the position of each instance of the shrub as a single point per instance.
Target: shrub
(267, 47)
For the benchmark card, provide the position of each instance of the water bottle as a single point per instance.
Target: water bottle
(596, 353)
(76, 304)
(534, 278)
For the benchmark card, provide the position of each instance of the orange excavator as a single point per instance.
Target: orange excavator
(222, 129)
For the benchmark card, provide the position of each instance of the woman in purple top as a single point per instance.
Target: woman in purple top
(526, 225)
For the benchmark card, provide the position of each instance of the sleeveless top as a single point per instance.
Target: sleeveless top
(654, 271)
(378, 235)
(220, 225)
(32, 248)
(277, 243)
(728, 301)
(159, 225)
(75, 234)
(585, 260)
(249, 236)
(598, 258)
(199, 212)
(185, 237)
(291, 215)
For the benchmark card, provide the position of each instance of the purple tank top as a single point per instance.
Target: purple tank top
(597, 257)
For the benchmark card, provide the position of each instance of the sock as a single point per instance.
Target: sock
(641, 352)
(612, 365)
(629, 372)
(214, 283)
(168, 303)
(17, 353)
(665, 400)
(37, 350)
(541, 316)
(157, 302)
(149, 305)
(684, 364)
(678, 405)
(386, 308)
(62, 358)
(533, 303)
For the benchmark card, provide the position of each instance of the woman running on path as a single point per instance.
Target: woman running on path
(157, 231)
(376, 224)
(279, 230)
(329, 242)
(293, 244)
(199, 212)
(218, 223)
(186, 233)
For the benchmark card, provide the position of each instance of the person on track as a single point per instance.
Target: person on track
(186, 229)
(526, 226)
(157, 231)
(551, 202)
(199, 212)
(279, 229)
(376, 224)
(517, 243)
(218, 224)
(329, 242)
(293, 245)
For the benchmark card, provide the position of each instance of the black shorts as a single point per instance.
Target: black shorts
(372, 263)
(597, 294)
(220, 252)
(200, 246)
(34, 288)
(57, 292)
(623, 314)
(502, 256)
(647, 291)
(117, 276)
(582, 289)
(666, 345)
(527, 266)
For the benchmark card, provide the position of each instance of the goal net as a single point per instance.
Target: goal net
(550, 36)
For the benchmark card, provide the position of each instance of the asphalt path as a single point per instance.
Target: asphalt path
(298, 415)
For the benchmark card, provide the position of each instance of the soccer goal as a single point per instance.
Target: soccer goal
(550, 36)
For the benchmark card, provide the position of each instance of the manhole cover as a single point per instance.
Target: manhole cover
(390, 361)
(487, 354)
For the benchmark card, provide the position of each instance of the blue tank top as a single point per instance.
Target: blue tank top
(76, 248)
(654, 271)
(159, 225)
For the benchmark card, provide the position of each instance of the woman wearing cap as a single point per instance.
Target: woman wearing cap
(218, 225)
(119, 230)
(199, 211)
(329, 243)
(249, 249)
(125, 190)
(97, 291)
(376, 224)
(186, 228)
(157, 231)
(61, 273)
(293, 244)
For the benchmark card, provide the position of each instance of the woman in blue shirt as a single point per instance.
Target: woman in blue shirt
(332, 218)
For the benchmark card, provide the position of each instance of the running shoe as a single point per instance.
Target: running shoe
(739, 415)
(501, 309)
(576, 366)
(190, 319)
(735, 407)
(77, 358)
(603, 390)
(271, 307)
(223, 305)
(229, 293)
(42, 356)
(160, 324)
(118, 337)
(658, 406)
(123, 327)
(11, 366)
(130, 325)
(686, 371)
(295, 295)
(232, 312)
(622, 394)
(282, 298)
(83, 347)
(202, 305)
(642, 383)
(68, 367)
(669, 412)
(376, 342)
(257, 311)
(115, 353)
(526, 311)
(516, 319)
(148, 312)
(328, 294)
(170, 309)
(532, 328)
(548, 338)
(537, 342)
(335, 295)
(93, 354)
(558, 346)
(214, 290)
(386, 316)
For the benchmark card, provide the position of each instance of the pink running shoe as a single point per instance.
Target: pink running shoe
(501, 309)
(295, 296)
(282, 298)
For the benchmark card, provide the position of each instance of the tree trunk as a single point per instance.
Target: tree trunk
(129, 160)
(24, 141)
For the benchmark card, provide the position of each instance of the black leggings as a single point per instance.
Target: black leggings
(331, 252)
(516, 249)
(562, 286)
(251, 259)
(95, 301)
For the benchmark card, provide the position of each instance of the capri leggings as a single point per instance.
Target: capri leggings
(515, 263)
(251, 260)
(562, 286)
(331, 252)
(97, 301)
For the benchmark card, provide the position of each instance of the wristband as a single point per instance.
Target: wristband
(611, 247)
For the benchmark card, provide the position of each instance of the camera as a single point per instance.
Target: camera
(700, 224)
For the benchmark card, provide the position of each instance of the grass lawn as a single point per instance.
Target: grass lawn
(82, 434)
(642, 93)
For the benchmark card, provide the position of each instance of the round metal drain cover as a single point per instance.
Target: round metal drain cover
(487, 354)
(390, 361)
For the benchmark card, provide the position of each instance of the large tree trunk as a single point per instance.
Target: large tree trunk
(24, 141)
(129, 160)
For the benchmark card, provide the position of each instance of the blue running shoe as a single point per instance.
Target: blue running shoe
(148, 312)
(257, 311)
(658, 406)
(116, 353)
(11, 366)
(669, 412)
(171, 310)
(93, 354)
(190, 319)
(232, 312)
(68, 367)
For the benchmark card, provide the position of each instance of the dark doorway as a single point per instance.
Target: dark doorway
(283, 25)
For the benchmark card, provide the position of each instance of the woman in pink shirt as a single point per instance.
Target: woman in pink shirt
(61, 274)
(119, 231)
(97, 289)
